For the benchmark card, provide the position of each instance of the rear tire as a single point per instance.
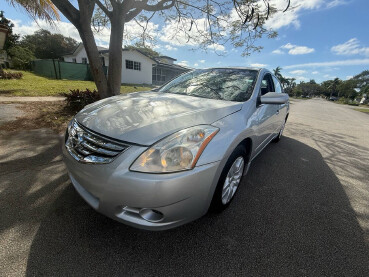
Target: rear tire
(229, 180)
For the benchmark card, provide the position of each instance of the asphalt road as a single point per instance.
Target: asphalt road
(302, 210)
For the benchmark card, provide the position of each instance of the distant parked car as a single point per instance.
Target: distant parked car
(159, 159)
(333, 98)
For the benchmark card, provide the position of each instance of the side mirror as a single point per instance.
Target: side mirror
(274, 98)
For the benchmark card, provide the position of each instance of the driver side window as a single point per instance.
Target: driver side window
(266, 84)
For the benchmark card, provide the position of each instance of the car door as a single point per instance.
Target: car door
(265, 114)
(281, 109)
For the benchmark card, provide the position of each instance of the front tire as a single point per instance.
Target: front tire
(229, 180)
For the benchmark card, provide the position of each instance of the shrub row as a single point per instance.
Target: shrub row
(77, 99)
(10, 75)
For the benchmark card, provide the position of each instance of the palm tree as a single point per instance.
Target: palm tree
(277, 72)
(43, 9)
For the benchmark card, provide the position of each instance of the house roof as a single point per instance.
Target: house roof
(106, 51)
(167, 57)
(80, 46)
(173, 66)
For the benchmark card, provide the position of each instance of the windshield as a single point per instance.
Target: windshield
(219, 83)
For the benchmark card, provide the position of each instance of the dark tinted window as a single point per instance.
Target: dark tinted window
(266, 84)
(219, 83)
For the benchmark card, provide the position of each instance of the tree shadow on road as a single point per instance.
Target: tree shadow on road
(291, 216)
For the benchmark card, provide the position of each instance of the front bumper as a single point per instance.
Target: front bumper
(120, 194)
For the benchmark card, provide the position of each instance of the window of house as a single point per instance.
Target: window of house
(74, 60)
(133, 65)
(84, 60)
(158, 75)
(137, 66)
(129, 64)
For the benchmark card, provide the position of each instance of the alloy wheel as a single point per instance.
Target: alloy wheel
(232, 180)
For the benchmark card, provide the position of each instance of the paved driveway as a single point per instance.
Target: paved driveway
(302, 210)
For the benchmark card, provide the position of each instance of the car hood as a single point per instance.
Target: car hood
(146, 117)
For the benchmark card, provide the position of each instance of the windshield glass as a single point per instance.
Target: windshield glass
(219, 83)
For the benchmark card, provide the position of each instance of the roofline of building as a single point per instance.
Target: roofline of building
(175, 66)
(167, 57)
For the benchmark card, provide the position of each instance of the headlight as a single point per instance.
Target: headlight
(177, 152)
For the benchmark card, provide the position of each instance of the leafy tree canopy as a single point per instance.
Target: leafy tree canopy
(362, 79)
(46, 45)
(21, 57)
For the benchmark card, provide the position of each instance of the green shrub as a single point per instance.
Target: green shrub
(21, 57)
(77, 99)
(8, 75)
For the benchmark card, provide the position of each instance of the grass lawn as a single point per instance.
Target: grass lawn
(363, 110)
(34, 85)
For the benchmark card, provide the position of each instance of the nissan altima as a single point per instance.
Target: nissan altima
(159, 159)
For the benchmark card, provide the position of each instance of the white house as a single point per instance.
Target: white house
(137, 68)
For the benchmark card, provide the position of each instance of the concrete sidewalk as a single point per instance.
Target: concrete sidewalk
(31, 98)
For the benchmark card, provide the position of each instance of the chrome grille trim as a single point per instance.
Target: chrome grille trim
(88, 147)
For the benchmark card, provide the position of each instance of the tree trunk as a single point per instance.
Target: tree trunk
(88, 39)
(94, 61)
(82, 21)
(115, 53)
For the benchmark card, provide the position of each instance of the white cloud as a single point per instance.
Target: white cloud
(350, 47)
(102, 38)
(315, 72)
(183, 63)
(301, 78)
(297, 50)
(173, 33)
(331, 63)
(291, 16)
(258, 65)
(202, 61)
(301, 50)
(65, 28)
(196, 64)
(336, 3)
(217, 47)
(170, 48)
(278, 52)
(327, 76)
(298, 72)
(349, 77)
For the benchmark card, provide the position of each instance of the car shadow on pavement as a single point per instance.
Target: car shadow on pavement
(291, 216)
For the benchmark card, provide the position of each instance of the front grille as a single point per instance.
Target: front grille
(88, 147)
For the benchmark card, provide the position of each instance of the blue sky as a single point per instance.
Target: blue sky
(319, 39)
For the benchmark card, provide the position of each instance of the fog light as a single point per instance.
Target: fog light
(151, 215)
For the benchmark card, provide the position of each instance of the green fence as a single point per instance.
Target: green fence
(63, 70)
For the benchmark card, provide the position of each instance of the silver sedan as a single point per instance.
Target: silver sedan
(159, 159)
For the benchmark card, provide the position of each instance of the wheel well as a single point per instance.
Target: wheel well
(247, 142)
